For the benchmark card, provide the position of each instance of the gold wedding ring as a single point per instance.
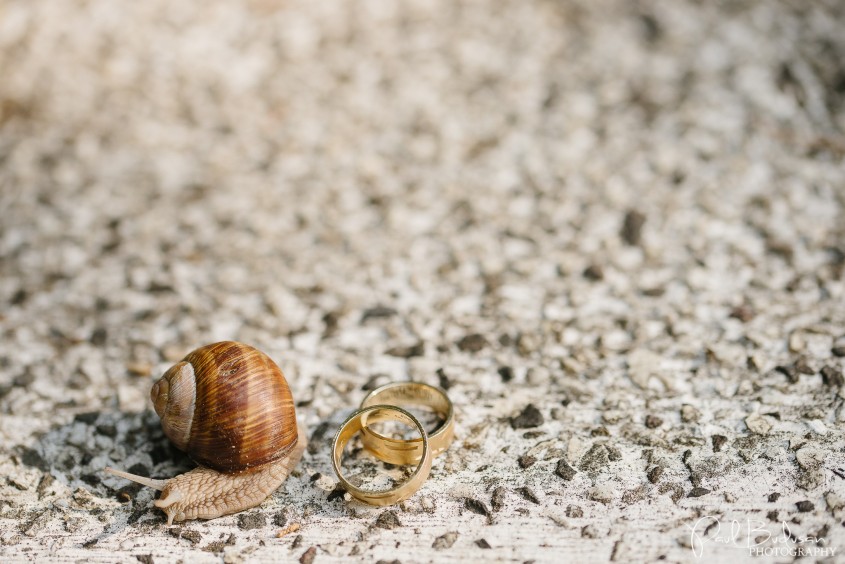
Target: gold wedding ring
(409, 451)
(356, 423)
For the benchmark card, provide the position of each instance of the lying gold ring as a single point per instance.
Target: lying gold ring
(409, 451)
(355, 423)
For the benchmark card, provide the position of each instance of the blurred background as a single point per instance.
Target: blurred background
(601, 208)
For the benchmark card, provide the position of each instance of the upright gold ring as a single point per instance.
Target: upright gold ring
(356, 423)
(409, 451)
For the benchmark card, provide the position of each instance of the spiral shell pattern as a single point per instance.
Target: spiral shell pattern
(241, 414)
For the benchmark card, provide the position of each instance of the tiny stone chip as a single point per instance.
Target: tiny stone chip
(476, 506)
(216, 546)
(654, 474)
(758, 424)
(789, 371)
(632, 227)
(505, 373)
(194, 537)
(308, 556)
(498, 498)
(772, 516)
(689, 414)
(472, 343)
(529, 417)
(445, 541)
(594, 272)
(832, 376)
(590, 531)
(802, 366)
(529, 494)
(377, 312)
(526, 461)
(805, 506)
(388, 520)
(564, 470)
(653, 421)
(254, 520)
(407, 351)
(337, 493)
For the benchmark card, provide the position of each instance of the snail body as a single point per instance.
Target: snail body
(229, 407)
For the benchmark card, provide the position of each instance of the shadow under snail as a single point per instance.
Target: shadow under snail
(229, 407)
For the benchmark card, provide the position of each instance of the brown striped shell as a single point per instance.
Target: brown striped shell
(228, 406)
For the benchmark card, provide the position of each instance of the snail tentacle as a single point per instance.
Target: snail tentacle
(150, 482)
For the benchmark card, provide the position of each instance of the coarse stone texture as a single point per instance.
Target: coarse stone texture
(627, 215)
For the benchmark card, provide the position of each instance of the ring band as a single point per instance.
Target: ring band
(409, 451)
(357, 422)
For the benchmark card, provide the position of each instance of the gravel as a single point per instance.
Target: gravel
(627, 216)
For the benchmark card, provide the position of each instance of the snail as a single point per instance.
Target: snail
(229, 407)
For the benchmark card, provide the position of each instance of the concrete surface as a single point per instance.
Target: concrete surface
(628, 215)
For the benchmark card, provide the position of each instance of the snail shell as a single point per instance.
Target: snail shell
(228, 406)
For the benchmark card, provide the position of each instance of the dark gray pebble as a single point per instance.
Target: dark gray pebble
(255, 520)
(594, 272)
(506, 373)
(698, 492)
(337, 493)
(654, 474)
(194, 537)
(574, 512)
(498, 498)
(377, 312)
(802, 366)
(632, 227)
(528, 494)
(526, 461)
(388, 520)
(443, 379)
(564, 470)
(832, 376)
(407, 351)
(472, 343)
(476, 506)
(718, 442)
(653, 421)
(805, 506)
(772, 516)
(88, 418)
(789, 371)
(214, 547)
(530, 417)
